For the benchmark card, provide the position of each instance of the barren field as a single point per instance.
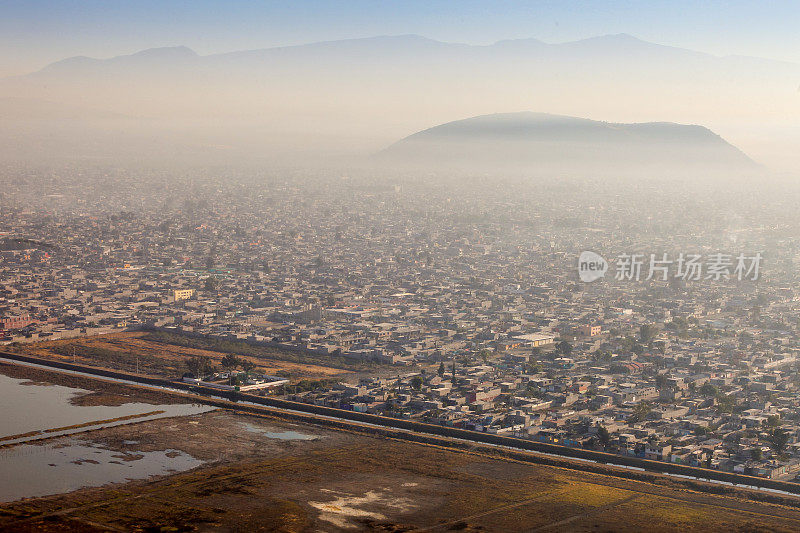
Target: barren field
(252, 481)
(122, 350)
(263, 473)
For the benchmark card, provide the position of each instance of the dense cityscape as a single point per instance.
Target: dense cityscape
(395, 267)
(458, 306)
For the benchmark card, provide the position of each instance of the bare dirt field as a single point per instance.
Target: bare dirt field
(131, 350)
(252, 481)
(262, 473)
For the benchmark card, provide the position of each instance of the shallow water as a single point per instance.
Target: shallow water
(281, 435)
(37, 407)
(29, 470)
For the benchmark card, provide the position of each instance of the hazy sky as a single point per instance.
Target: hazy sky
(34, 33)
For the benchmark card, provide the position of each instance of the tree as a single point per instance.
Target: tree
(416, 383)
(441, 369)
(484, 355)
(708, 390)
(533, 368)
(725, 403)
(564, 348)
(778, 439)
(756, 454)
(640, 412)
(603, 436)
(247, 366)
(773, 421)
(211, 283)
(198, 365)
(230, 361)
(647, 333)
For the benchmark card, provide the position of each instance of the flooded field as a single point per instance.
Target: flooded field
(232, 473)
(271, 433)
(70, 464)
(33, 410)
(229, 470)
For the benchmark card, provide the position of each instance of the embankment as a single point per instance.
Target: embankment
(428, 433)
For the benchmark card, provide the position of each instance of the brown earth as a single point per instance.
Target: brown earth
(120, 351)
(341, 480)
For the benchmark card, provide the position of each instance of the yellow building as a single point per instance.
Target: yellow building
(590, 330)
(182, 294)
(534, 339)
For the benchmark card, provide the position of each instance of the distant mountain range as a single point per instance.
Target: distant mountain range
(354, 96)
(547, 144)
(414, 50)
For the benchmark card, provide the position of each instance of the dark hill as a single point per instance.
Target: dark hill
(568, 145)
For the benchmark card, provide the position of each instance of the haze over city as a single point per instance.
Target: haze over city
(399, 266)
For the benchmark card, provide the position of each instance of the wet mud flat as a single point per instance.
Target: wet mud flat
(228, 471)
(50, 405)
(264, 474)
(68, 464)
(135, 452)
(97, 392)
